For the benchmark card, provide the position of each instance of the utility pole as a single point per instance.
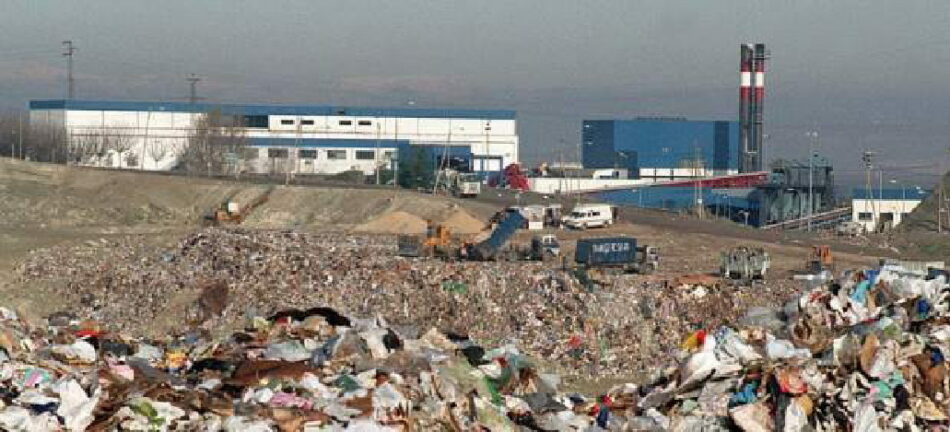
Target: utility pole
(19, 121)
(868, 158)
(940, 202)
(811, 169)
(395, 164)
(376, 153)
(69, 49)
(698, 189)
(193, 88)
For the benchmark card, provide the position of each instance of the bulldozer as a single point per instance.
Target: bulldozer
(820, 259)
(231, 213)
(437, 241)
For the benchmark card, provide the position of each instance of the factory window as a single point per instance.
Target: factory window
(306, 122)
(287, 122)
(388, 155)
(307, 154)
(250, 153)
(865, 216)
(365, 155)
(336, 154)
(255, 121)
(277, 153)
(346, 122)
(365, 123)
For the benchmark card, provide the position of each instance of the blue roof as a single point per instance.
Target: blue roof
(909, 193)
(324, 143)
(244, 109)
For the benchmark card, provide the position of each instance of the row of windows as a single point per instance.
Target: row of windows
(868, 216)
(306, 122)
(282, 153)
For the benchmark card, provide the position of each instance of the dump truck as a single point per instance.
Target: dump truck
(492, 247)
(820, 259)
(616, 252)
(744, 263)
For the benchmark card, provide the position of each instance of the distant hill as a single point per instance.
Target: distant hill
(924, 217)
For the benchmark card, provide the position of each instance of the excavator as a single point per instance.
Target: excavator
(820, 259)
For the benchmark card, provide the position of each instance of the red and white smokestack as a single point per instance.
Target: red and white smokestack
(745, 105)
(745, 75)
(758, 79)
(759, 73)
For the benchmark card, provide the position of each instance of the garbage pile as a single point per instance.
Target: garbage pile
(310, 370)
(614, 326)
(865, 353)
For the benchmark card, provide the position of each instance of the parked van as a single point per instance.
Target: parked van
(590, 216)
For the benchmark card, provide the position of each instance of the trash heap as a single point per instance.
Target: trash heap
(864, 353)
(295, 370)
(613, 327)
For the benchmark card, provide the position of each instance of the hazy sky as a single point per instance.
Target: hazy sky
(864, 73)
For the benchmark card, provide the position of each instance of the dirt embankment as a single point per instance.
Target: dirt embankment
(36, 195)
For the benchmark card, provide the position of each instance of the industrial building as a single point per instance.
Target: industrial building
(882, 209)
(662, 149)
(302, 139)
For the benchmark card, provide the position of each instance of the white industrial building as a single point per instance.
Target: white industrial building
(282, 138)
(882, 209)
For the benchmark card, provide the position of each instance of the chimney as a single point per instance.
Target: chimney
(745, 106)
(759, 101)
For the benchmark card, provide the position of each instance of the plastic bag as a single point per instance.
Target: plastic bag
(865, 419)
(75, 406)
(728, 343)
(795, 418)
(700, 366)
(780, 349)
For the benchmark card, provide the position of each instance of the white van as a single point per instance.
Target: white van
(590, 215)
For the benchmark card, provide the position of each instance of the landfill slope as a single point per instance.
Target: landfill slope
(55, 196)
(924, 216)
(396, 222)
(917, 236)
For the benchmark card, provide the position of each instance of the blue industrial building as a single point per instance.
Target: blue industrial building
(662, 148)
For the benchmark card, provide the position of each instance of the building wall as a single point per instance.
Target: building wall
(656, 147)
(870, 213)
(875, 207)
(153, 134)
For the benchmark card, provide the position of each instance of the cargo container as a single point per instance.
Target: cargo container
(620, 252)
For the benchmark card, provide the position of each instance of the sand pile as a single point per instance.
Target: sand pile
(396, 222)
(462, 222)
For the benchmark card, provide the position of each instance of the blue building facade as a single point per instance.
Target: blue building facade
(661, 147)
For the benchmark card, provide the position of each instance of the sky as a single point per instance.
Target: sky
(864, 74)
